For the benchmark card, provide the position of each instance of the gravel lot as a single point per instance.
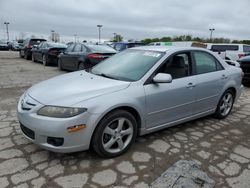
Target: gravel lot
(221, 147)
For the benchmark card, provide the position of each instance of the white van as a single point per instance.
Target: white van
(180, 44)
(230, 51)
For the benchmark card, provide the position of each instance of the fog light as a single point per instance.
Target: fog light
(76, 128)
(54, 141)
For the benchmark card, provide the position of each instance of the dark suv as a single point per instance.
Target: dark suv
(120, 46)
(245, 66)
(25, 50)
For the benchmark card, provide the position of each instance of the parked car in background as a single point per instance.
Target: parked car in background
(47, 52)
(3, 45)
(14, 46)
(79, 56)
(135, 92)
(25, 51)
(179, 44)
(245, 66)
(230, 51)
(120, 46)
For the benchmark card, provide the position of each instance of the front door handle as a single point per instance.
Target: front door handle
(190, 85)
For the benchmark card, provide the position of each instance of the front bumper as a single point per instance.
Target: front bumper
(46, 127)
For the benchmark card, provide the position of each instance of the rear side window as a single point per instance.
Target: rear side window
(78, 48)
(70, 48)
(246, 48)
(223, 48)
(206, 63)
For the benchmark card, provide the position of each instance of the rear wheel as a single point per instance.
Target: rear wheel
(114, 134)
(26, 56)
(225, 105)
(81, 66)
(59, 64)
(20, 55)
(45, 61)
(33, 57)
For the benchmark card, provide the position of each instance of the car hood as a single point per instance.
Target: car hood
(72, 88)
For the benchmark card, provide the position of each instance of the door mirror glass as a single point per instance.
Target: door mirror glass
(162, 78)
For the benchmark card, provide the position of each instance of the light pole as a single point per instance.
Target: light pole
(99, 28)
(211, 34)
(115, 37)
(75, 37)
(7, 30)
(53, 35)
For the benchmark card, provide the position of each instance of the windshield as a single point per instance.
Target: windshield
(129, 65)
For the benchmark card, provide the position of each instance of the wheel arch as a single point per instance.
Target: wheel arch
(129, 109)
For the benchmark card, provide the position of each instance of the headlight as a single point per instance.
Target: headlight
(60, 112)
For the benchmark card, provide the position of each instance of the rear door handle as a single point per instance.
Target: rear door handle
(190, 85)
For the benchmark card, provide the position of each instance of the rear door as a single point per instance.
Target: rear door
(169, 102)
(66, 56)
(210, 78)
(74, 57)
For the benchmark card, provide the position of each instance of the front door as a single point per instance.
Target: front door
(169, 102)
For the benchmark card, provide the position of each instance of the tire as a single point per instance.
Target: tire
(59, 64)
(20, 54)
(114, 134)
(33, 58)
(26, 56)
(225, 105)
(44, 60)
(81, 66)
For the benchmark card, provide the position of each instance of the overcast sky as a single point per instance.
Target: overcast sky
(133, 19)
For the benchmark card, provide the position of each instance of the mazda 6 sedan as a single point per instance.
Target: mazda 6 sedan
(135, 92)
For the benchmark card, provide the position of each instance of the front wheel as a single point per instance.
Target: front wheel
(114, 134)
(59, 64)
(225, 105)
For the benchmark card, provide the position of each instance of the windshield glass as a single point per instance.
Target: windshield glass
(129, 65)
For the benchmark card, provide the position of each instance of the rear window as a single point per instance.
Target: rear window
(246, 48)
(100, 48)
(56, 45)
(223, 48)
(131, 45)
(36, 41)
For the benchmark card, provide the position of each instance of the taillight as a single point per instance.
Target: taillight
(29, 46)
(241, 55)
(96, 56)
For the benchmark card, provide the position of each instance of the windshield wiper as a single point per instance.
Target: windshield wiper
(107, 76)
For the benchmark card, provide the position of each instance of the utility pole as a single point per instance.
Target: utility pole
(75, 37)
(99, 28)
(7, 30)
(211, 34)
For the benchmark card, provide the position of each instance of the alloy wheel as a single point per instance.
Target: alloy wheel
(226, 104)
(117, 135)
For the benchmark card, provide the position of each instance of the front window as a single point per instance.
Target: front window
(246, 48)
(129, 65)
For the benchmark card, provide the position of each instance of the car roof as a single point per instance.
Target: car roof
(166, 48)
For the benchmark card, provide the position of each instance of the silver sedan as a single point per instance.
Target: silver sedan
(135, 92)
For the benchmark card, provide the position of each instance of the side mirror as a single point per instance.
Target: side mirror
(162, 78)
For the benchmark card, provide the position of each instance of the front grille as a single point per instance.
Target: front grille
(28, 132)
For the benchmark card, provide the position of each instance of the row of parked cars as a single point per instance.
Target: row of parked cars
(78, 56)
